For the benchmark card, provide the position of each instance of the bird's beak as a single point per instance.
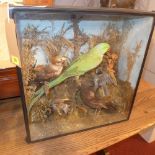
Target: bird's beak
(107, 50)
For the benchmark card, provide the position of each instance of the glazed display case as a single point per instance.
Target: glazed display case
(80, 68)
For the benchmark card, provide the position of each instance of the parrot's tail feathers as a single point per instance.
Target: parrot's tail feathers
(35, 99)
(41, 91)
(57, 81)
(37, 92)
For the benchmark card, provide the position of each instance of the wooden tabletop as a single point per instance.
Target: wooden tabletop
(12, 138)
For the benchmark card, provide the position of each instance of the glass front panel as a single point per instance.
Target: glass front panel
(79, 71)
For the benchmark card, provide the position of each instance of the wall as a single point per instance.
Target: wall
(4, 50)
(149, 69)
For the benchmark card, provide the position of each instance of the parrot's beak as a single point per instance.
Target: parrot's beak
(107, 47)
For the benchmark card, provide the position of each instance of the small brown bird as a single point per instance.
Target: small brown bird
(52, 70)
(89, 98)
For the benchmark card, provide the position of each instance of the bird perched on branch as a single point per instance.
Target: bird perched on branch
(53, 69)
(78, 67)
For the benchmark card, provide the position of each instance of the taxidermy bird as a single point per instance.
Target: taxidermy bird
(51, 70)
(78, 67)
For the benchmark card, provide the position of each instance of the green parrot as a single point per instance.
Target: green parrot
(78, 67)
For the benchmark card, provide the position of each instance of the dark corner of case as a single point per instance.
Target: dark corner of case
(28, 140)
(13, 9)
(11, 12)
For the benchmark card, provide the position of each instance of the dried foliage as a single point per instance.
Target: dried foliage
(80, 38)
(28, 62)
(111, 62)
(132, 58)
(41, 111)
(31, 38)
(118, 3)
